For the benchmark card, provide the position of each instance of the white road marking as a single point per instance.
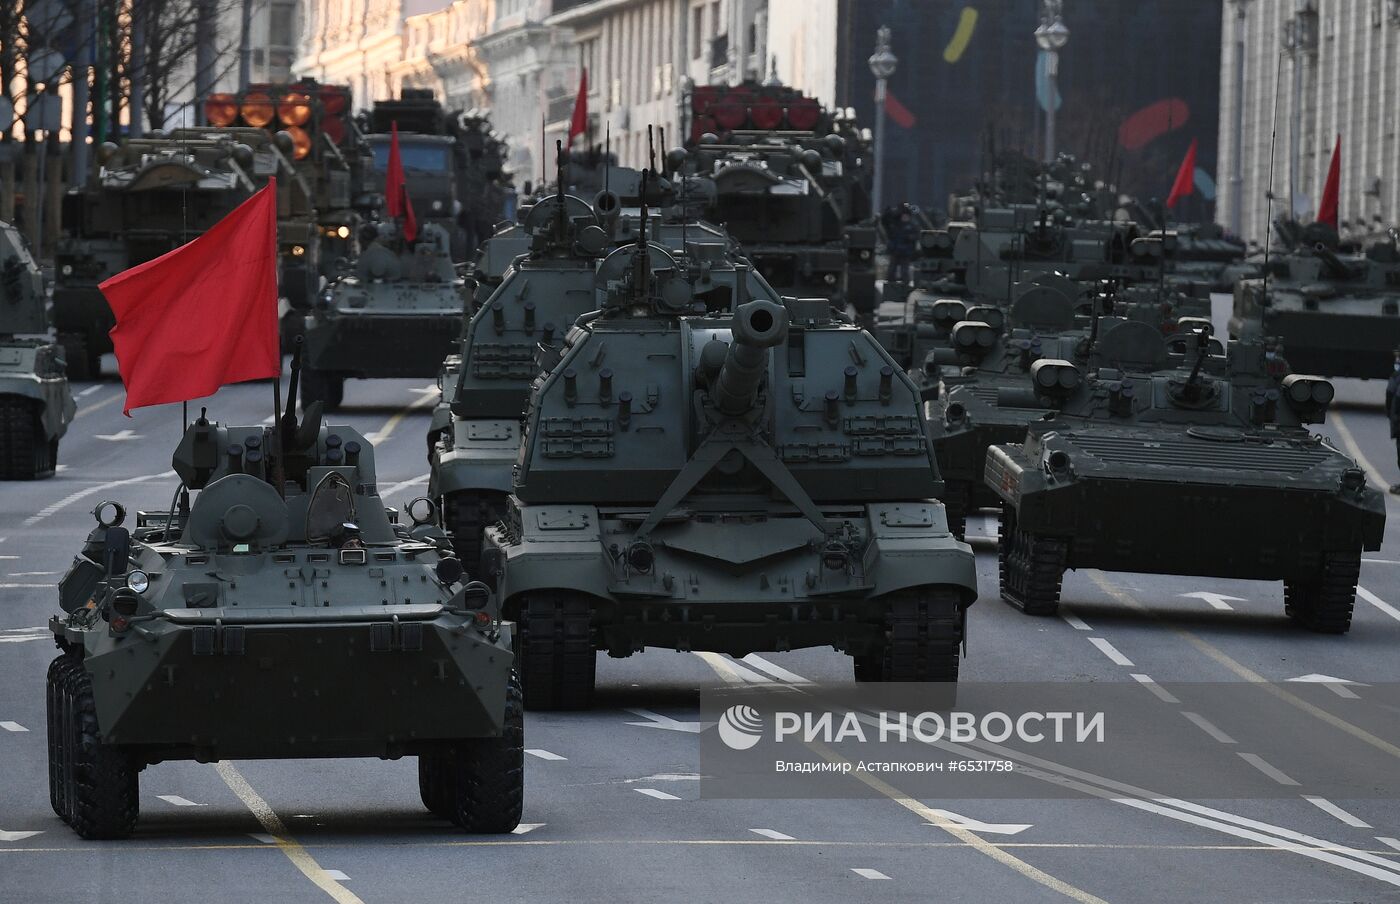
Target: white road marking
(337, 875)
(545, 754)
(1379, 603)
(37, 629)
(1216, 600)
(868, 873)
(1273, 772)
(1209, 728)
(656, 720)
(120, 436)
(773, 669)
(383, 433)
(1337, 686)
(265, 839)
(20, 638)
(1110, 651)
(1336, 420)
(526, 828)
(17, 836)
(772, 833)
(659, 795)
(1157, 690)
(666, 777)
(977, 825)
(731, 672)
(1074, 621)
(84, 393)
(12, 726)
(179, 801)
(9, 558)
(31, 574)
(392, 488)
(71, 498)
(8, 585)
(1381, 561)
(1333, 810)
(1388, 841)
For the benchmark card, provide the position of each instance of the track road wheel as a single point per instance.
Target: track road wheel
(105, 781)
(956, 495)
(436, 783)
(1031, 567)
(923, 631)
(1324, 604)
(466, 515)
(557, 661)
(25, 454)
(489, 773)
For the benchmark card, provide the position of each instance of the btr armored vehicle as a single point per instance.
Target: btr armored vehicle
(396, 316)
(36, 404)
(755, 479)
(1337, 315)
(1182, 458)
(257, 623)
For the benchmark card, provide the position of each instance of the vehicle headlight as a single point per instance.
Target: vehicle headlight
(437, 206)
(67, 269)
(343, 231)
(298, 250)
(138, 580)
(829, 279)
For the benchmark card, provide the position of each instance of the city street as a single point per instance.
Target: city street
(611, 807)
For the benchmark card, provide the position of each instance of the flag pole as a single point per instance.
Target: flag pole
(278, 472)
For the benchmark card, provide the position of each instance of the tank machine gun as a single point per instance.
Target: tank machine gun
(1187, 430)
(36, 404)
(284, 614)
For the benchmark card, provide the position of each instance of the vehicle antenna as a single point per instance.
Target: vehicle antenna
(1269, 192)
(607, 152)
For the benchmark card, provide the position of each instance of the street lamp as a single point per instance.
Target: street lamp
(1051, 35)
(882, 66)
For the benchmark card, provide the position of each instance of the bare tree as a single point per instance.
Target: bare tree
(160, 44)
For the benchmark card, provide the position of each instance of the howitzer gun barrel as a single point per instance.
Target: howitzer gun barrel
(1335, 265)
(758, 326)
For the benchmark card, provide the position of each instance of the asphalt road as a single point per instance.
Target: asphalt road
(612, 811)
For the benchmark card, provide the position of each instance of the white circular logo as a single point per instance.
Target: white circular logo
(740, 727)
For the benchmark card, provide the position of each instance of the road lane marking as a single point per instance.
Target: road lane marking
(1073, 620)
(289, 846)
(1157, 690)
(8, 585)
(659, 795)
(545, 754)
(1337, 686)
(1209, 728)
(526, 828)
(96, 406)
(17, 836)
(337, 875)
(261, 838)
(772, 833)
(383, 433)
(1379, 603)
(1110, 651)
(84, 393)
(71, 498)
(865, 873)
(1215, 600)
(731, 672)
(120, 436)
(179, 801)
(774, 669)
(401, 486)
(666, 723)
(1337, 812)
(1273, 772)
(1388, 841)
(1349, 441)
(12, 726)
(977, 825)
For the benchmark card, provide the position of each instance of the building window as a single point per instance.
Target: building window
(280, 19)
(697, 32)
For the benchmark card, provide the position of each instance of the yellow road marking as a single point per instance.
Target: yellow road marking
(289, 846)
(89, 409)
(397, 418)
(1245, 672)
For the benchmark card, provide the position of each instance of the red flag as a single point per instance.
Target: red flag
(1185, 183)
(1327, 207)
(899, 114)
(578, 125)
(397, 203)
(202, 315)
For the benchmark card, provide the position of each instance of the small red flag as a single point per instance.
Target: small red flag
(1185, 183)
(899, 114)
(397, 203)
(203, 315)
(578, 125)
(1327, 206)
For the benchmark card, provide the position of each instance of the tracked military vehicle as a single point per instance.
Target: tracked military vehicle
(730, 481)
(396, 316)
(36, 404)
(1337, 315)
(1182, 458)
(255, 624)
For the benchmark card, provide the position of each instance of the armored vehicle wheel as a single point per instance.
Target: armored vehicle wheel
(60, 766)
(1324, 605)
(322, 386)
(81, 364)
(923, 633)
(102, 780)
(24, 452)
(466, 515)
(1031, 567)
(489, 773)
(435, 783)
(956, 495)
(557, 661)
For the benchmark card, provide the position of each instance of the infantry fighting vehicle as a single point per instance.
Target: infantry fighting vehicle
(1338, 315)
(1182, 458)
(36, 405)
(265, 624)
(397, 315)
(748, 480)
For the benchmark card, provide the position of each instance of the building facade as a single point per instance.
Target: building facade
(1330, 67)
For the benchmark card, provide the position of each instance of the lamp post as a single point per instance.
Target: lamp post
(882, 65)
(1237, 133)
(1051, 36)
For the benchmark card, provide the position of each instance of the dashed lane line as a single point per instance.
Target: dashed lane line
(402, 485)
(1379, 603)
(526, 828)
(1074, 621)
(178, 801)
(774, 669)
(1209, 728)
(1111, 652)
(97, 406)
(1354, 450)
(383, 433)
(659, 795)
(1272, 771)
(544, 754)
(54, 507)
(866, 873)
(84, 393)
(732, 672)
(12, 726)
(289, 846)
(337, 875)
(772, 834)
(1337, 812)
(1157, 690)
(1388, 841)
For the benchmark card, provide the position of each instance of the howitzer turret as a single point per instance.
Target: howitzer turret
(758, 326)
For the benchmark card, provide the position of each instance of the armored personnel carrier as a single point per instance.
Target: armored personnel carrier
(36, 404)
(732, 481)
(1337, 315)
(265, 624)
(396, 316)
(1182, 458)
